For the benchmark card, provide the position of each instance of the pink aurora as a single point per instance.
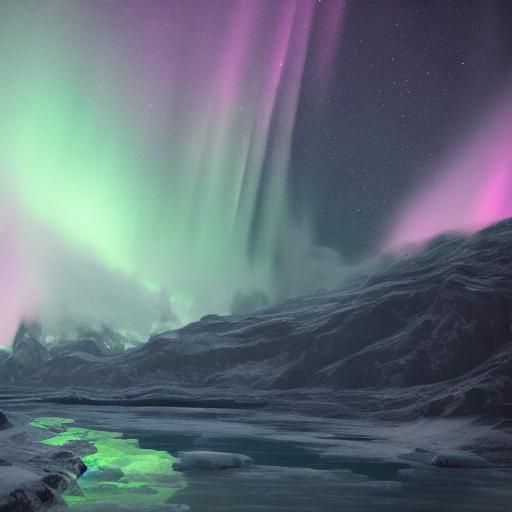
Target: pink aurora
(471, 189)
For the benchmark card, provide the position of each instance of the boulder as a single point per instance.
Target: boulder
(28, 353)
(4, 421)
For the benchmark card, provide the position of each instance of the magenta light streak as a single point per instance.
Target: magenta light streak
(330, 16)
(471, 189)
(11, 303)
(19, 293)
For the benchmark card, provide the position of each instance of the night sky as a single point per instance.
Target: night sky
(201, 149)
(410, 77)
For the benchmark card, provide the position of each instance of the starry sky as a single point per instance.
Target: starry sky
(201, 149)
(411, 79)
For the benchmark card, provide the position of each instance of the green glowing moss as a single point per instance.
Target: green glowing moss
(119, 470)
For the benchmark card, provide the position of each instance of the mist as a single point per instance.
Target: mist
(146, 165)
(143, 161)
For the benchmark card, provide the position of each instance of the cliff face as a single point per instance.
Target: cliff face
(440, 319)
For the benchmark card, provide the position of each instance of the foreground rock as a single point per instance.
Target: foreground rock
(4, 421)
(32, 475)
(432, 330)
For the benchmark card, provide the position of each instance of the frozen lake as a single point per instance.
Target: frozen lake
(301, 463)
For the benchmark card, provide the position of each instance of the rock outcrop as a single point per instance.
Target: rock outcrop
(32, 475)
(28, 353)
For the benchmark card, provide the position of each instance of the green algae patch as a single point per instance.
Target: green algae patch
(118, 470)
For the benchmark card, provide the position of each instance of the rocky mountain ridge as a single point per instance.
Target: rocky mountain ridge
(439, 319)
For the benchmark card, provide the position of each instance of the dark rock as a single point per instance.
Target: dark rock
(24, 491)
(4, 421)
(62, 455)
(85, 345)
(107, 339)
(69, 461)
(56, 481)
(4, 355)
(28, 353)
(78, 466)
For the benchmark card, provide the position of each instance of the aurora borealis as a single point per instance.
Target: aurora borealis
(158, 144)
(471, 188)
(201, 149)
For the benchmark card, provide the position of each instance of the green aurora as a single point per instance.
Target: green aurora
(163, 156)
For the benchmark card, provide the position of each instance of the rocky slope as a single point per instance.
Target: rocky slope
(439, 320)
(32, 475)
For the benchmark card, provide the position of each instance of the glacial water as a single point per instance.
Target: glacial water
(300, 463)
